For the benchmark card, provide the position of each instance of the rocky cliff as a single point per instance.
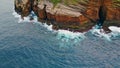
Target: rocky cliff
(75, 17)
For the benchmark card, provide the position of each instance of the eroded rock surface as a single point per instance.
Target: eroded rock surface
(73, 17)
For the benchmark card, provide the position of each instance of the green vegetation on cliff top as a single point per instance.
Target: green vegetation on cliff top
(55, 2)
(116, 3)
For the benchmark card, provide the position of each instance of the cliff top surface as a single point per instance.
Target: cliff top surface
(62, 7)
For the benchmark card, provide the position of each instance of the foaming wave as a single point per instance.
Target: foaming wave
(115, 31)
(63, 35)
(26, 19)
(16, 15)
(35, 20)
(49, 27)
(70, 38)
(67, 36)
(100, 33)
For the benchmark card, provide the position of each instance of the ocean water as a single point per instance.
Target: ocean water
(30, 44)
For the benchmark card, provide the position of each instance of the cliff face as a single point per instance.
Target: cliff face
(76, 18)
(113, 13)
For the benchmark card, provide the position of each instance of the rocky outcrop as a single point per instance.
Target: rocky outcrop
(112, 16)
(73, 17)
(113, 13)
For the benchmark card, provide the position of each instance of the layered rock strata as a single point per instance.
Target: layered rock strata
(70, 17)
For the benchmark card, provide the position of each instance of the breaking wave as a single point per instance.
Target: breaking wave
(25, 19)
(68, 36)
(63, 35)
(115, 31)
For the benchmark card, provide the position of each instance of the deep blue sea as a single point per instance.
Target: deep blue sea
(34, 45)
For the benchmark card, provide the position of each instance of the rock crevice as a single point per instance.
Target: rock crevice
(73, 17)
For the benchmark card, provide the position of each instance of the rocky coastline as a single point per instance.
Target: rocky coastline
(79, 17)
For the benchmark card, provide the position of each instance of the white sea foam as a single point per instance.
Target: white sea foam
(25, 19)
(64, 35)
(67, 36)
(49, 27)
(115, 31)
(16, 15)
(100, 33)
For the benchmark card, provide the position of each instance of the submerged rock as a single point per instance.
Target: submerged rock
(77, 17)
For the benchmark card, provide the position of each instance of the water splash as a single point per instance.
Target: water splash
(35, 20)
(70, 38)
(25, 19)
(115, 31)
(49, 27)
(100, 33)
(67, 36)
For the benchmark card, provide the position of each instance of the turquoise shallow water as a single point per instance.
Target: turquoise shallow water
(30, 45)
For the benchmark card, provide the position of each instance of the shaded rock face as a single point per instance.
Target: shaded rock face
(109, 12)
(66, 17)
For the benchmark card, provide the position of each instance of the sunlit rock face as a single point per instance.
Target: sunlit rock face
(74, 18)
(22, 7)
(64, 17)
(60, 13)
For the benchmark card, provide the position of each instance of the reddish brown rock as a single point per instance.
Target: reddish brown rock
(112, 12)
(23, 7)
(66, 17)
